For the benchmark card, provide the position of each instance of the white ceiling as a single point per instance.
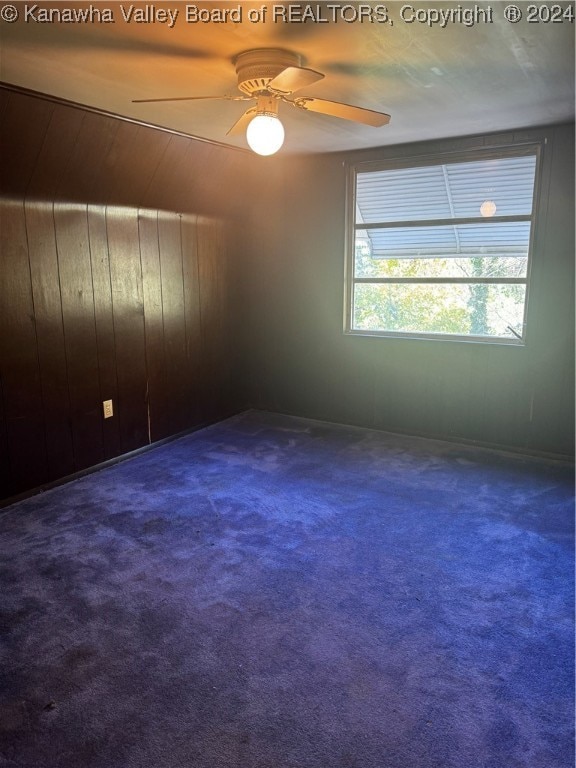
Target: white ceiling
(435, 82)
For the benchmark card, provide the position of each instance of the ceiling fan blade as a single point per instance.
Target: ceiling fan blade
(192, 98)
(293, 78)
(242, 123)
(345, 111)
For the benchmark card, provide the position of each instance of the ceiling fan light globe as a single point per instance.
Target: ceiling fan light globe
(265, 134)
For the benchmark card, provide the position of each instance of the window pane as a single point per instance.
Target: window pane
(508, 239)
(490, 266)
(487, 266)
(508, 183)
(497, 187)
(479, 310)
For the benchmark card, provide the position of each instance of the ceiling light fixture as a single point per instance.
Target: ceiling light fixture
(270, 76)
(265, 132)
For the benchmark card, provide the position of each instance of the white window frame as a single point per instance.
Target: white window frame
(533, 148)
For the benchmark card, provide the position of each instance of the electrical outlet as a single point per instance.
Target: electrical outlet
(108, 409)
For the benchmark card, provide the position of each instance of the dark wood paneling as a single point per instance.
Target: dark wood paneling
(51, 166)
(4, 101)
(132, 160)
(22, 134)
(20, 371)
(215, 320)
(62, 152)
(167, 189)
(5, 480)
(128, 306)
(115, 300)
(104, 323)
(86, 171)
(107, 303)
(71, 224)
(177, 378)
(45, 277)
(159, 414)
(195, 384)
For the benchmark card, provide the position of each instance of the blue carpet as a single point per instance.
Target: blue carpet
(274, 592)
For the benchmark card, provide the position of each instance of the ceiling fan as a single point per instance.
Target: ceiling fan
(270, 76)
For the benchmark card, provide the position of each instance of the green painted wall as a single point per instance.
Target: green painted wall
(297, 359)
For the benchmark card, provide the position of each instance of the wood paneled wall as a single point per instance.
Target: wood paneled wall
(99, 303)
(116, 246)
(52, 151)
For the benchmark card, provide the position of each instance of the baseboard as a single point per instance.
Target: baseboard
(9, 501)
(564, 458)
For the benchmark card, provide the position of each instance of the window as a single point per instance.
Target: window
(442, 249)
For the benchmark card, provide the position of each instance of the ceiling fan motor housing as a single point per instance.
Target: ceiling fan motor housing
(256, 68)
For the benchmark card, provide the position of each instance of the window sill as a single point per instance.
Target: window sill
(409, 336)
